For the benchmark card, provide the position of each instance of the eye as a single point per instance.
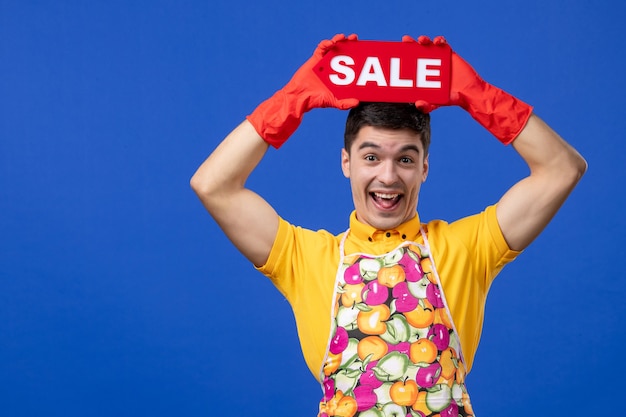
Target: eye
(370, 157)
(406, 160)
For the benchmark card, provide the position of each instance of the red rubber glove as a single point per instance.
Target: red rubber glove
(279, 116)
(496, 110)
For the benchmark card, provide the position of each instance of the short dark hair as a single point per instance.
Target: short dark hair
(388, 116)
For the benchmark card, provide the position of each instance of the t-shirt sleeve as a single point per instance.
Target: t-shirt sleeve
(276, 268)
(481, 235)
(302, 265)
(297, 256)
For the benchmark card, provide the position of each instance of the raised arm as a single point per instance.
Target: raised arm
(246, 218)
(555, 167)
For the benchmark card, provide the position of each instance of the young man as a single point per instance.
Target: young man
(390, 312)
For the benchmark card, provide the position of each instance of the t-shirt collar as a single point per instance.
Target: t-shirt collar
(408, 230)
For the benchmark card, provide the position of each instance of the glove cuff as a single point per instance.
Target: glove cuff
(276, 119)
(499, 112)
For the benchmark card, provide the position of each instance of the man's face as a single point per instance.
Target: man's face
(386, 169)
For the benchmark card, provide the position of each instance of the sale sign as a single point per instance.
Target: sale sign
(387, 71)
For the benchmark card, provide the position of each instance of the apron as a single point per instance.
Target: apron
(393, 349)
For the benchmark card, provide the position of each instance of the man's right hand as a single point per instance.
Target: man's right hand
(279, 116)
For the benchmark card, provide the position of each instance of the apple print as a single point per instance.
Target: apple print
(329, 388)
(418, 288)
(365, 397)
(352, 274)
(346, 317)
(405, 301)
(434, 296)
(427, 376)
(393, 257)
(397, 330)
(391, 366)
(450, 411)
(402, 347)
(457, 393)
(368, 378)
(346, 379)
(394, 410)
(412, 269)
(382, 393)
(340, 341)
(369, 268)
(374, 293)
(440, 336)
(438, 398)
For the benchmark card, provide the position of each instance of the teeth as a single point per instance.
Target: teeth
(386, 196)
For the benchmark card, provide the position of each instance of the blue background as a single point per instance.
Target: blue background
(119, 296)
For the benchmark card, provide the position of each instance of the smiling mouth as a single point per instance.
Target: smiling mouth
(386, 201)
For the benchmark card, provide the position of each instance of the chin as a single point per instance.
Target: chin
(387, 223)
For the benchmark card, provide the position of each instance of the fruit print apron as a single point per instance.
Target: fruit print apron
(393, 348)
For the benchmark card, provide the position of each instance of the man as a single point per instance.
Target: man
(389, 313)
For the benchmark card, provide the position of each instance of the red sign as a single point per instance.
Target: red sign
(387, 71)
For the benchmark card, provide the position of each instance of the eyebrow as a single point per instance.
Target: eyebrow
(409, 147)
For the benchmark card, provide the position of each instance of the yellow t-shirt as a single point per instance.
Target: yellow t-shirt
(467, 254)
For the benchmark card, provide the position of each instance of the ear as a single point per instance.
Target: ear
(345, 163)
(425, 170)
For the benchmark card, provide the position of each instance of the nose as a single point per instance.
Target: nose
(387, 173)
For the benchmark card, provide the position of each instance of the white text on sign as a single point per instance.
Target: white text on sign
(428, 70)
